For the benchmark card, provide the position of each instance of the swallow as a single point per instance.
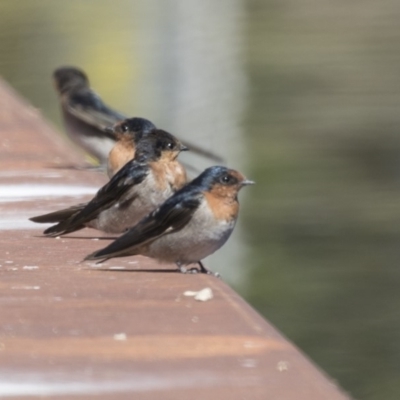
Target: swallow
(127, 133)
(87, 117)
(189, 226)
(138, 188)
(84, 113)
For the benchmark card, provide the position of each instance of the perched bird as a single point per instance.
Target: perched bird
(87, 117)
(127, 133)
(137, 189)
(189, 226)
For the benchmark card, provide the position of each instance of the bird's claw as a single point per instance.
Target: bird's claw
(194, 270)
(185, 270)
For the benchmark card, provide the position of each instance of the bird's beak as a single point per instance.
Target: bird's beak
(247, 182)
(109, 129)
(183, 148)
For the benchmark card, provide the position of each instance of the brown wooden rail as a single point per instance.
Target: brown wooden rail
(125, 330)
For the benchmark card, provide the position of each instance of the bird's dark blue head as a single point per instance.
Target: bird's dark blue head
(219, 177)
(137, 124)
(66, 78)
(159, 144)
(133, 127)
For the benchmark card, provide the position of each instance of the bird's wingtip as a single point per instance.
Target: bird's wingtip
(88, 257)
(95, 256)
(52, 232)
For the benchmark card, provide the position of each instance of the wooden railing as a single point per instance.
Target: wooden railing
(125, 329)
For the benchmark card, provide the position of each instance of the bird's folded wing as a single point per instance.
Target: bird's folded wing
(130, 175)
(87, 106)
(125, 180)
(170, 217)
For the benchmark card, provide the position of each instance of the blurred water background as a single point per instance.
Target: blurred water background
(302, 96)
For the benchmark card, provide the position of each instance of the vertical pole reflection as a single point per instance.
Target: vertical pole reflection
(194, 83)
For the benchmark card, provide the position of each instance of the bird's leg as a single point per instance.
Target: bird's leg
(182, 268)
(205, 270)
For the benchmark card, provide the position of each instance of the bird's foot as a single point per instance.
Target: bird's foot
(203, 270)
(185, 270)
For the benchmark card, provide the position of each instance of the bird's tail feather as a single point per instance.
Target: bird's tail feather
(58, 216)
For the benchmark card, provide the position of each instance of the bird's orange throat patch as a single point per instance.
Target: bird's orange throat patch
(223, 203)
(169, 173)
(120, 154)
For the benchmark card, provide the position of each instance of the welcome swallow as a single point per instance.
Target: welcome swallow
(137, 189)
(189, 226)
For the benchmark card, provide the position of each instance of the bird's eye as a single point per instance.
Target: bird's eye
(170, 146)
(124, 128)
(227, 179)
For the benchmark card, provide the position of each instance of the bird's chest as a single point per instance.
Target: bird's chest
(120, 154)
(207, 230)
(169, 175)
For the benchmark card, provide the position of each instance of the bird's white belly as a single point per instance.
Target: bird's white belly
(201, 237)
